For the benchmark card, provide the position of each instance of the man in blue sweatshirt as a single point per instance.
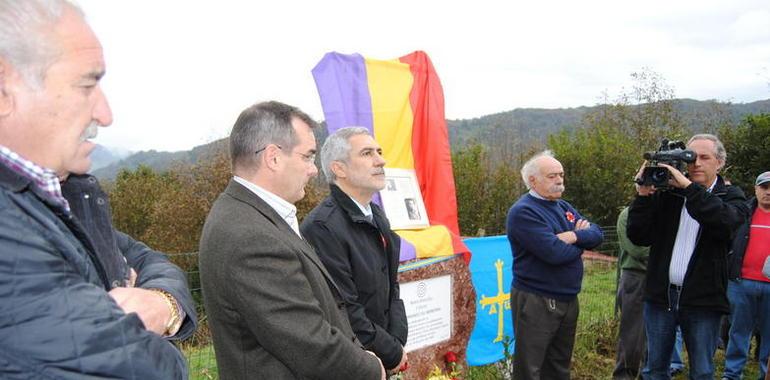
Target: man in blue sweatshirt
(548, 237)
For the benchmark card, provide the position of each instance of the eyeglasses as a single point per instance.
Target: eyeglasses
(308, 158)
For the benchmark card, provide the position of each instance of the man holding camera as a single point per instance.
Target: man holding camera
(689, 228)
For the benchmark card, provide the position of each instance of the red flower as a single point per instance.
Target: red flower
(570, 216)
(404, 367)
(450, 357)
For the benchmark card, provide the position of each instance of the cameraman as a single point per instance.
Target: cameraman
(689, 229)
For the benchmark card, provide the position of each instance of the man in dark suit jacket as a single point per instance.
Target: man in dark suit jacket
(274, 311)
(354, 240)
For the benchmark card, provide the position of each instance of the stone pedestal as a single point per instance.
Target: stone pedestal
(422, 361)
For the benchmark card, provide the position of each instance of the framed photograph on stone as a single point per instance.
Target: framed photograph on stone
(402, 200)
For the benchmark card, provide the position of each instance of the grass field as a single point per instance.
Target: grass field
(594, 355)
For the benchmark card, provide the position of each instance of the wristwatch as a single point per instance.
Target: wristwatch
(175, 322)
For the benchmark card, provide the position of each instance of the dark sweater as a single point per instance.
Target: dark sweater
(542, 263)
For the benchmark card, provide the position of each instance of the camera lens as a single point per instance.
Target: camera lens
(659, 177)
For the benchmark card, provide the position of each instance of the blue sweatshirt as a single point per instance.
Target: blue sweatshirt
(543, 264)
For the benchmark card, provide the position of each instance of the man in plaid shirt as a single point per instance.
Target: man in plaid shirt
(58, 316)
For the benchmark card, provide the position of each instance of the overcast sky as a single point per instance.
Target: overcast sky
(179, 72)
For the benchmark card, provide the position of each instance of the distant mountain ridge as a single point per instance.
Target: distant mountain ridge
(102, 156)
(159, 161)
(519, 127)
(535, 124)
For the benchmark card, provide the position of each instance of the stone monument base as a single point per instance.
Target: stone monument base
(463, 314)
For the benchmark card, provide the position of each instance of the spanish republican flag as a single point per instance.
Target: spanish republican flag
(402, 103)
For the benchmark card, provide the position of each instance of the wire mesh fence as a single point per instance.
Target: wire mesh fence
(610, 244)
(199, 349)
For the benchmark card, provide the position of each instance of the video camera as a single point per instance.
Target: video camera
(673, 153)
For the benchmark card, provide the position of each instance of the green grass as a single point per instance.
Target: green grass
(595, 343)
(202, 363)
(594, 355)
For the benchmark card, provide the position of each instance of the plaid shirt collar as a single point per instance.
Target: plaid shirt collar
(45, 179)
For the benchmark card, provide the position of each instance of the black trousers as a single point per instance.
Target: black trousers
(545, 336)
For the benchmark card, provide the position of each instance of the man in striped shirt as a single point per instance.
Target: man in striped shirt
(689, 229)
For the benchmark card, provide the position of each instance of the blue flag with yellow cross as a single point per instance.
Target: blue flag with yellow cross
(492, 275)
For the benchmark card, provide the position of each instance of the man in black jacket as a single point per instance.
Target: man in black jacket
(749, 289)
(143, 281)
(353, 239)
(689, 229)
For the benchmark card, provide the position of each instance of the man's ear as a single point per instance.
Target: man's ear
(338, 168)
(11, 82)
(6, 96)
(271, 157)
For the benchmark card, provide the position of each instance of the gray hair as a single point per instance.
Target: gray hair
(261, 125)
(531, 167)
(26, 35)
(720, 153)
(337, 148)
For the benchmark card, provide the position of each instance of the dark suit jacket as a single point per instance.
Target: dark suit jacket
(271, 304)
(362, 256)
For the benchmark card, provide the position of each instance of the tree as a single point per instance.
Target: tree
(134, 195)
(599, 164)
(177, 216)
(485, 191)
(748, 150)
(503, 190)
(601, 157)
(469, 167)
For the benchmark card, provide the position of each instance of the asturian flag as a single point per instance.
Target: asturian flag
(492, 276)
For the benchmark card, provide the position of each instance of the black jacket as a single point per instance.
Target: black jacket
(654, 221)
(741, 241)
(362, 257)
(118, 251)
(57, 320)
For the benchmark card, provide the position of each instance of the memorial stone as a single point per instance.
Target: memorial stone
(439, 301)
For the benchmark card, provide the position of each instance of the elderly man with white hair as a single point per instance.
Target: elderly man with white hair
(548, 237)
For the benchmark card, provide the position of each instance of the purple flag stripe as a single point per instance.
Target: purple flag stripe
(342, 84)
(407, 251)
(344, 90)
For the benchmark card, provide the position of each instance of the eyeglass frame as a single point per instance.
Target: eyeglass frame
(305, 157)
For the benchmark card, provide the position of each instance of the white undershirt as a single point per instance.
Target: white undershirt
(536, 195)
(286, 210)
(366, 210)
(684, 245)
